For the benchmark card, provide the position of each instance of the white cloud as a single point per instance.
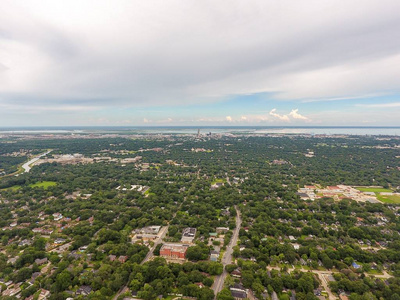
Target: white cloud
(292, 116)
(381, 105)
(229, 118)
(278, 116)
(295, 115)
(141, 53)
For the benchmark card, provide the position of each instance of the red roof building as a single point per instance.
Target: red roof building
(174, 251)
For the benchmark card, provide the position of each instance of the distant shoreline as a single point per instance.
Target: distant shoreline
(310, 130)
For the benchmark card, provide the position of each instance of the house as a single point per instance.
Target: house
(303, 196)
(43, 294)
(330, 278)
(200, 284)
(236, 273)
(75, 255)
(34, 276)
(84, 290)
(238, 292)
(222, 229)
(12, 260)
(41, 261)
(7, 284)
(318, 292)
(279, 162)
(174, 251)
(112, 257)
(343, 297)
(188, 235)
(216, 186)
(122, 258)
(225, 212)
(355, 265)
(25, 243)
(57, 216)
(12, 292)
(214, 255)
(151, 230)
(42, 231)
(59, 241)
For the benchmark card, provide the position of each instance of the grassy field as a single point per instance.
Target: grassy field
(389, 199)
(382, 198)
(14, 188)
(218, 180)
(43, 184)
(374, 190)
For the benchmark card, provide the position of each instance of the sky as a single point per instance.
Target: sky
(200, 63)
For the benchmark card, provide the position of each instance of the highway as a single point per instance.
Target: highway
(227, 258)
(27, 166)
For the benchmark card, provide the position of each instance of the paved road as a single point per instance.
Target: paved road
(227, 179)
(324, 283)
(227, 258)
(27, 166)
(150, 254)
(160, 238)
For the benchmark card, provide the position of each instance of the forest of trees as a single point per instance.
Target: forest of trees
(281, 241)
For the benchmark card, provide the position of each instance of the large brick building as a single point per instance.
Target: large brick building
(174, 251)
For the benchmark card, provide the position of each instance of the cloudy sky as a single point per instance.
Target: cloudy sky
(267, 62)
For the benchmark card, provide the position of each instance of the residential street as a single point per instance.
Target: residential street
(161, 236)
(227, 258)
(322, 276)
(163, 232)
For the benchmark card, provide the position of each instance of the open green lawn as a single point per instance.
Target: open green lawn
(389, 199)
(218, 180)
(14, 188)
(43, 184)
(383, 198)
(375, 190)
